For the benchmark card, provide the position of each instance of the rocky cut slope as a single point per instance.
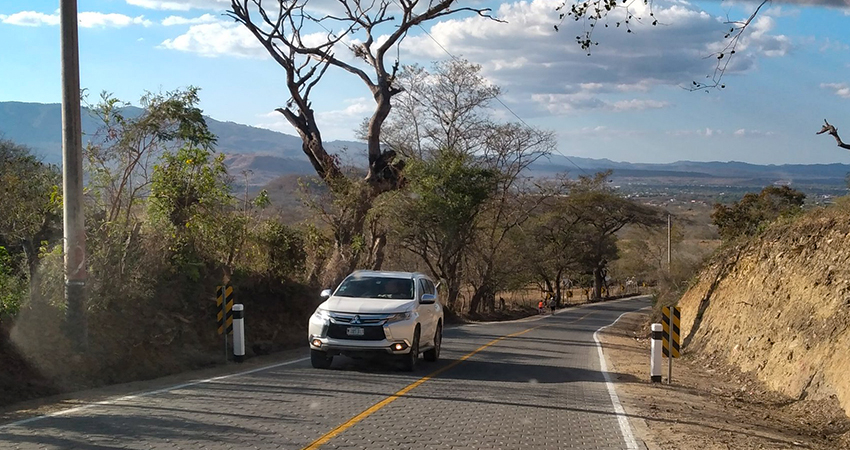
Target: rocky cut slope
(779, 307)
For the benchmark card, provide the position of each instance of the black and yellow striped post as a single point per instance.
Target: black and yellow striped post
(224, 317)
(671, 335)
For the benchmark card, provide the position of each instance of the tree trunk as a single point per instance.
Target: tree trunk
(31, 256)
(597, 283)
(453, 288)
(479, 299)
(379, 244)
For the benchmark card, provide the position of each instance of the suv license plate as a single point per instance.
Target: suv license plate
(355, 331)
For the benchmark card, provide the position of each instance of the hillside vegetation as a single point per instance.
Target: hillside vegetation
(778, 305)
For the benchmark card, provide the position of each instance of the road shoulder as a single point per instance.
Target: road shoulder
(57, 403)
(710, 405)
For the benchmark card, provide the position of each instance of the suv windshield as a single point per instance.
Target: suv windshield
(376, 287)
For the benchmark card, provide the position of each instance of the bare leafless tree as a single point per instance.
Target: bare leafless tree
(371, 30)
(284, 28)
(832, 131)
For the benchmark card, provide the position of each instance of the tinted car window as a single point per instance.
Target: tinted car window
(376, 287)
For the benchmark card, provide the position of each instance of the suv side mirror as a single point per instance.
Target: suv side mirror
(428, 298)
(325, 293)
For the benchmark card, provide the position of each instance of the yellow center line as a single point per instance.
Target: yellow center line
(377, 406)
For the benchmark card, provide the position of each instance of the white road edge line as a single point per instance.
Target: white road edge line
(148, 393)
(622, 419)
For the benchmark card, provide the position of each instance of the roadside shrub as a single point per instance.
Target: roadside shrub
(13, 285)
(754, 212)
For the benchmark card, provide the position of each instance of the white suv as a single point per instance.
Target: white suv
(394, 313)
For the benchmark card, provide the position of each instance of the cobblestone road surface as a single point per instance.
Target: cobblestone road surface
(541, 389)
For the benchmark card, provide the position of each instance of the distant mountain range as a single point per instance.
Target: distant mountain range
(270, 154)
(713, 172)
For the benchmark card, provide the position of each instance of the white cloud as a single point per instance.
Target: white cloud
(178, 20)
(713, 132)
(833, 45)
(638, 105)
(703, 132)
(670, 54)
(215, 39)
(759, 37)
(220, 38)
(588, 99)
(30, 19)
(743, 132)
(603, 132)
(829, 3)
(839, 89)
(85, 19)
(779, 11)
(180, 5)
(103, 20)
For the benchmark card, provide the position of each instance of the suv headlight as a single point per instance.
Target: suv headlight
(321, 314)
(398, 317)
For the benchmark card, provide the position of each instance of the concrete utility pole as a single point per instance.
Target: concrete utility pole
(72, 178)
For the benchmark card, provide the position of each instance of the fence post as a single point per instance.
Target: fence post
(655, 359)
(238, 333)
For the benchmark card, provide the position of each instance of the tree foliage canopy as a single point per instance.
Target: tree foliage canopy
(754, 211)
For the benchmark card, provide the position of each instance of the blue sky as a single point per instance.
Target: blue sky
(624, 102)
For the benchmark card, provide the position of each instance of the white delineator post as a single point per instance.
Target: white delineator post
(655, 359)
(238, 333)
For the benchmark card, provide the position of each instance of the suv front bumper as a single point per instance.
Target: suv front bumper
(394, 338)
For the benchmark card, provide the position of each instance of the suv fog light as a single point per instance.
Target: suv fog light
(399, 346)
(317, 343)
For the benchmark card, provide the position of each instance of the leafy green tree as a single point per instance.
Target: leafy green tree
(31, 201)
(550, 244)
(603, 212)
(190, 199)
(436, 218)
(13, 286)
(446, 108)
(753, 212)
(508, 150)
(121, 153)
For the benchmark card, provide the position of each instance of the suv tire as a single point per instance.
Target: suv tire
(434, 354)
(320, 359)
(408, 361)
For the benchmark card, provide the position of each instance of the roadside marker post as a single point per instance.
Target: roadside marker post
(238, 333)
(671, 319)
(224, 318)
(655, 359)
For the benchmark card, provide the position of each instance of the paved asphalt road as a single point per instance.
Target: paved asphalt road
(535, 383)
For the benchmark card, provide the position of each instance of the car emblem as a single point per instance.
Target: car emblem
(356, 319)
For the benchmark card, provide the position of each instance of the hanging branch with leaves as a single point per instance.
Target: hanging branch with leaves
(592, 12)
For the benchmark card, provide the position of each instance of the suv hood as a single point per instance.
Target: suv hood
(367, 305)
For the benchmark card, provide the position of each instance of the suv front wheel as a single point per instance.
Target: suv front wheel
(320, 359)
(408, 361)
(434, 353)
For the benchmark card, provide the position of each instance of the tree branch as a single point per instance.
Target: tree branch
(832, 131)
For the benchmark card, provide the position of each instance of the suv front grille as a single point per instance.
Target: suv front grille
(338, 331)
(358, 319)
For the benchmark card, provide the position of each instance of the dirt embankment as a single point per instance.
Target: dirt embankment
(131, 341)
(779, 307)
